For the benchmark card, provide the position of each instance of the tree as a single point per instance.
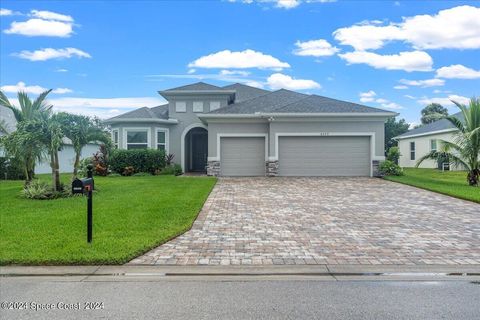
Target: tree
(394, 128)
(433, 112)
(29, 153)
(81, 130)
(464, 151)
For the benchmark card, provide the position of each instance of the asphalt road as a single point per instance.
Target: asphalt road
(237, 299)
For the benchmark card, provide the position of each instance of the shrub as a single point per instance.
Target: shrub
(82, 169)
(40, 190)
(11, 169)
(99, 161)
(142, 160)
(141, 174)
(128, 171)
(173, 169)
(169, 159)
(389, 168)
(393, 154)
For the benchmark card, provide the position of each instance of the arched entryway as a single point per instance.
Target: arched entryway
(196, 150)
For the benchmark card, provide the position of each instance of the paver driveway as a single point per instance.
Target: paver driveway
(325, 221)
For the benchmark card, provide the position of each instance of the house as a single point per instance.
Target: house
(418, 142)
(238, 130)
(66, 155)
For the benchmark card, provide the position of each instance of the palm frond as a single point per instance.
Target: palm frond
(39, 103)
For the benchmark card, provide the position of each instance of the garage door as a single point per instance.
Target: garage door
(324, 156)
(242, 156)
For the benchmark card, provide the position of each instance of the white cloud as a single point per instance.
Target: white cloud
(234, 73)
(21, 86)
(39, 27)
(50, 53)
(190, 71)
(455, 28)
(410, 97)
(61, 70)
(391, 105)
(457, 71)
(62, 90)
(381, 100)
(423, 83)
(315, 48)
(408, 61)
(282, 81)
(400, 87)
(444, 101)
(5, 12)
(288, 4)
(238, 60)
(48, 15)
(368, 96)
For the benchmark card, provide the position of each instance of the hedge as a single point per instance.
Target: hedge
(12, 171)
(142, 160)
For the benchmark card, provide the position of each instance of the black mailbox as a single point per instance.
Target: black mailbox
(82, 186)
(77, 186)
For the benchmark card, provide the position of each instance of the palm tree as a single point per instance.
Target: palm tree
(81, 130)
(27, 153)
(464, 151)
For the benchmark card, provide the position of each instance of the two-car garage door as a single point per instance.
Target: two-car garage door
(297, 156)
(324, 156)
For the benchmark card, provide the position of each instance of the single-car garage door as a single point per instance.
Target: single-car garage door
(324, 156)
(242, 156)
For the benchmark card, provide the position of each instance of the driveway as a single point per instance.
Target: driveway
(325, 221)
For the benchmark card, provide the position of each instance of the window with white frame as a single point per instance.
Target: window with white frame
(197, 106)
(214, 105)
(137, 139)
(433, 145)
(162, 140)
(115, 138)
(412, 150)
(180, 106)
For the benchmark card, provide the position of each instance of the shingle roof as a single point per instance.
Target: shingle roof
(442, 124)
(199, 86)
(160, 112)
(244, 92)
(286, 101)
(319, 104)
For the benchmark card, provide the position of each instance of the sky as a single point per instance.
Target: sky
(107, 57)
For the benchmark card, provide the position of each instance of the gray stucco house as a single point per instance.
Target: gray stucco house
(238, 130)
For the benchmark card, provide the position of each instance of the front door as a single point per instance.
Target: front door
(199, 151)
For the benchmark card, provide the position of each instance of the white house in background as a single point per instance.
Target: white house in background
(66, 155)
(416, 143)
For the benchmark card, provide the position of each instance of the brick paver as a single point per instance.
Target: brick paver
(272, 221)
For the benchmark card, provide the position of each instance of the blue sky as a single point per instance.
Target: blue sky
(108, 57)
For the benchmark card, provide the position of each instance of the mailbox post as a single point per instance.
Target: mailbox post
(85, 187)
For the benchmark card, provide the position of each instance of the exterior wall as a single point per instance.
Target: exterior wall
(422, 147)
(67, 158)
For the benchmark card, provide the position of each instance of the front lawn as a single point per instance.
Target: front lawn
(452, 183)
(131, 215)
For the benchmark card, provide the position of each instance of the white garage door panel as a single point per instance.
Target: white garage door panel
(324, 156)
(241, 156)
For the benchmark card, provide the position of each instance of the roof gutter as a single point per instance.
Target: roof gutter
(300, 115)
(142, 120)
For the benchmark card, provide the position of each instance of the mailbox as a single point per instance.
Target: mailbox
(82, 186)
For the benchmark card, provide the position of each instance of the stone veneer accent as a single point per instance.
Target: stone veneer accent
(375, 167)
(271, 168)
(213, 168)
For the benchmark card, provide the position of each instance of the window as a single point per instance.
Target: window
(433, 145)
(197, 106)
(180, 106)
(214, 105)
(412, 150)
(115, 138)
(137, 139)
(162, 140)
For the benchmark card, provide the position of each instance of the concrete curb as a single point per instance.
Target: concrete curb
(310, 270)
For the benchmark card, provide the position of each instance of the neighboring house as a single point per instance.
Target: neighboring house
(418, 142)
(66, 155)
(238, 130)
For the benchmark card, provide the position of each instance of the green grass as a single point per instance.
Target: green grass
(131, 216)
(452, 183)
